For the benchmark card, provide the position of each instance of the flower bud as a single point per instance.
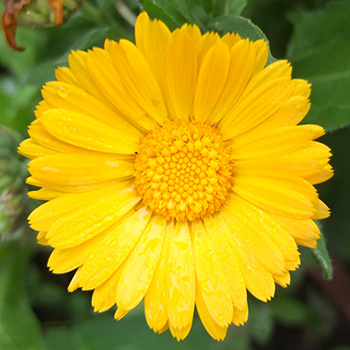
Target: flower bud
(35, 13)
(13, 198)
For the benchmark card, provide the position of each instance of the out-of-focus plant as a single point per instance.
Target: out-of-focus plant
(34, 13)
(13, 194)
(312, 34)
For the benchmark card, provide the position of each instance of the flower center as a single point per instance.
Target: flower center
(183, 170)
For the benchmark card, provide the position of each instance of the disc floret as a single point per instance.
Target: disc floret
(183, 170)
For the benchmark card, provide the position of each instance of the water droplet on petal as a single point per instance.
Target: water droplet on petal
(62, 92)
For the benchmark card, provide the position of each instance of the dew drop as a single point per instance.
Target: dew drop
(62, 92)
(221, 318)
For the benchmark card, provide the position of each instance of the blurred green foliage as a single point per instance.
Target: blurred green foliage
(321, 59)
(19, 328)
(36, 312)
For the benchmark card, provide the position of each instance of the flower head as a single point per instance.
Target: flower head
(175, 173)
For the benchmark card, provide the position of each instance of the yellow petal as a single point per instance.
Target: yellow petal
(283, 279)
(290, 114)
(41, 108)
(242, 57)
(74, 189)
(152, 39)
(39, 135)
(252, 109)
(258, 280)
(120, 313)
(31, 181)
(103, 297)
(192, 30)
(228, 261)
(147, 33)
(43, 138)
(305, 232)
(113, 250)
(164, 328)
(65, 74)
(305, 162)
(205, 43)
(131, 63)
(293, 111)
(181, 73)
(66, 96)
(182, 333)
(211, 81)
(322, 211)
(45, 194)
(31, 149)
(240, 316)
(155, 302)
(210, 277)
(273, 71)
(88, 221)
(323, 175)
(249, 227)
(76, 129)
(42, 218)
(217, 331)
(139, 269)
(283, 195)
(262, 52)
(302, 88)
(230, 39)
(41, 238)
(286, 244)
(78, 64)
(65, 260)
(180, 279)
(74, 283)
(108, 80)
(76, 169)
(274, 143)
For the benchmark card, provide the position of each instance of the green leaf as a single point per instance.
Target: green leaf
(243, 26)
(260, 321)
(235, 7)
(166, 11)
(103, 332)
(220, 7)
(335, 193)
(289, 310)
(322, 257)
(61, 338)
(320, 51)
(17, 103)
(19, 328)
(217, 8)
(237, 338)
(19, 63)
(183, 6)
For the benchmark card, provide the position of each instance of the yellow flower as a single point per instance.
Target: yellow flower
(175, 173)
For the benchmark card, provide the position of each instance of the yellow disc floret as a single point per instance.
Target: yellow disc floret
(183, 170)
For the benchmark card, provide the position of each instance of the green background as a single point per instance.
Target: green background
(36, 311)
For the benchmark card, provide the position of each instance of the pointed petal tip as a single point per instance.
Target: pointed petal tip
(73, 286)
(120, 313)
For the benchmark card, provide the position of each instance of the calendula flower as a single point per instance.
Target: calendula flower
(176, 173)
